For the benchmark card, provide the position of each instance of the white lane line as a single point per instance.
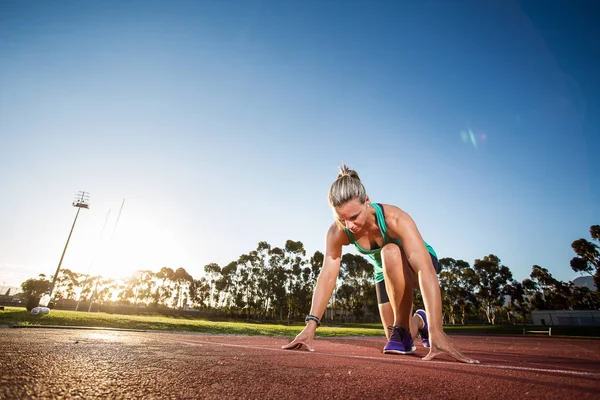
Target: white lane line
(408, 359)
(582, 348)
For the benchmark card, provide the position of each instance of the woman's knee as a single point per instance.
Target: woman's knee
(391, 255)
(395, 262)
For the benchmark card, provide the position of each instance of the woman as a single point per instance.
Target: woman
(402, 260)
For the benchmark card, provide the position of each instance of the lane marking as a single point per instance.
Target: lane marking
(501, 367)
(582, 348)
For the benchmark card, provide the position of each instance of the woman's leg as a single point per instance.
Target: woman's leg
(399, 282)
(387, 317)
(416, 322)
(387, 314)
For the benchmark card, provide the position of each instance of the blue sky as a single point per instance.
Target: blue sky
(222, 124)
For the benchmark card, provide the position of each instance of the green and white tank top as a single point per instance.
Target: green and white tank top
(375, 254)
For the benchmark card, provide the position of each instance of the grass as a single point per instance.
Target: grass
(19, 316)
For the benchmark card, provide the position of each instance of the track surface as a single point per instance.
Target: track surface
(103, 364)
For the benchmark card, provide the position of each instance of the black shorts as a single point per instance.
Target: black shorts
(382, 296)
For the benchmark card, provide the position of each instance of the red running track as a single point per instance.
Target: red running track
(48, 363)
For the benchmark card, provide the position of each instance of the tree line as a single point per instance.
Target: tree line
(277, 283)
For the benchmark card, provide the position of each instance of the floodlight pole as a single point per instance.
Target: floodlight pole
(81, 201)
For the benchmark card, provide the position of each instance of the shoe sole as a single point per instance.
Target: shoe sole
(399, 351)
(396, 352)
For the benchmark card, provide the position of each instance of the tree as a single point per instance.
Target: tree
(199, 292)
(518, 304)
(355, 293)
(182, 281)
(145, 285)
(164, 291)
(127, 291)
(265, 278)
(213, 272)
(588, 255)
(106, 289)
(34, 288)
(277, 278)
(549, 293)
(66, 283)
(316, 262)
(249, 273)
(493, 277)
(294, 261)
(582, 298)
(226, 285)
(457, 282)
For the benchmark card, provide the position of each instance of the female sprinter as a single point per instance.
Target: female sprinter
(402, 260)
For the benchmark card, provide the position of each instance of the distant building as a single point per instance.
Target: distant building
(566, 317)
(9, 296)
(10, 291)
(585, 281)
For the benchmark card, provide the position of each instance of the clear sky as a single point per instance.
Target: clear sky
(222, 124)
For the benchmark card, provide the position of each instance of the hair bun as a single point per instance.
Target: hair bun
(345, 171)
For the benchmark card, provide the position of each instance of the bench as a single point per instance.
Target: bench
(548, 332)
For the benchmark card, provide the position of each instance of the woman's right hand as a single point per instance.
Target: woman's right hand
(441, 344)
(303, 339)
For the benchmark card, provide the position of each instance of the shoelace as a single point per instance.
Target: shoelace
(401, 331)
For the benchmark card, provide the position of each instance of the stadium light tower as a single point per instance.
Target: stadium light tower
(82, 200)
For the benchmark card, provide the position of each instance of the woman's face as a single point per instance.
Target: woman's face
(353, 214)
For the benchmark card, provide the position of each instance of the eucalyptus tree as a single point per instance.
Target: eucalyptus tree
(493, 277)
(164, 290)
(355, 293)
(549, 293)
(126, 290)
(277, 278)
(182, 280)
(86, 288)
(294, 261)
(67, 284)
(106, 290)
(518, 304)
(458, 284)
(35, 287)
(582, 298)
(226, 286)
(213, 274)
(316, 263)
(588, 255)
(265, 278)
(145, 286)
(200, 292)
(249, 276)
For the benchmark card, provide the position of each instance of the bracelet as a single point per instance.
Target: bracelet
(313, 318)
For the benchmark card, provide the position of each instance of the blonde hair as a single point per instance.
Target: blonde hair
(346, 187)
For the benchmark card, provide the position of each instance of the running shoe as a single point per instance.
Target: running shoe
(424, 331)
(400, 342)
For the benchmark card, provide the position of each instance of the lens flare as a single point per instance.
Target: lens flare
(469, 137)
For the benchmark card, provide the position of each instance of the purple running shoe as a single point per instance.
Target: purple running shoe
(424, 331)
(400, 342)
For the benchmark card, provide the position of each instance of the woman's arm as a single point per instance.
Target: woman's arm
(324, 287)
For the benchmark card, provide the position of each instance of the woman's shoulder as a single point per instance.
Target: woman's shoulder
(394, 216)
(391, 210)
(337, 234)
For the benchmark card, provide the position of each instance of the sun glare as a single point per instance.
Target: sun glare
(138, 243)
